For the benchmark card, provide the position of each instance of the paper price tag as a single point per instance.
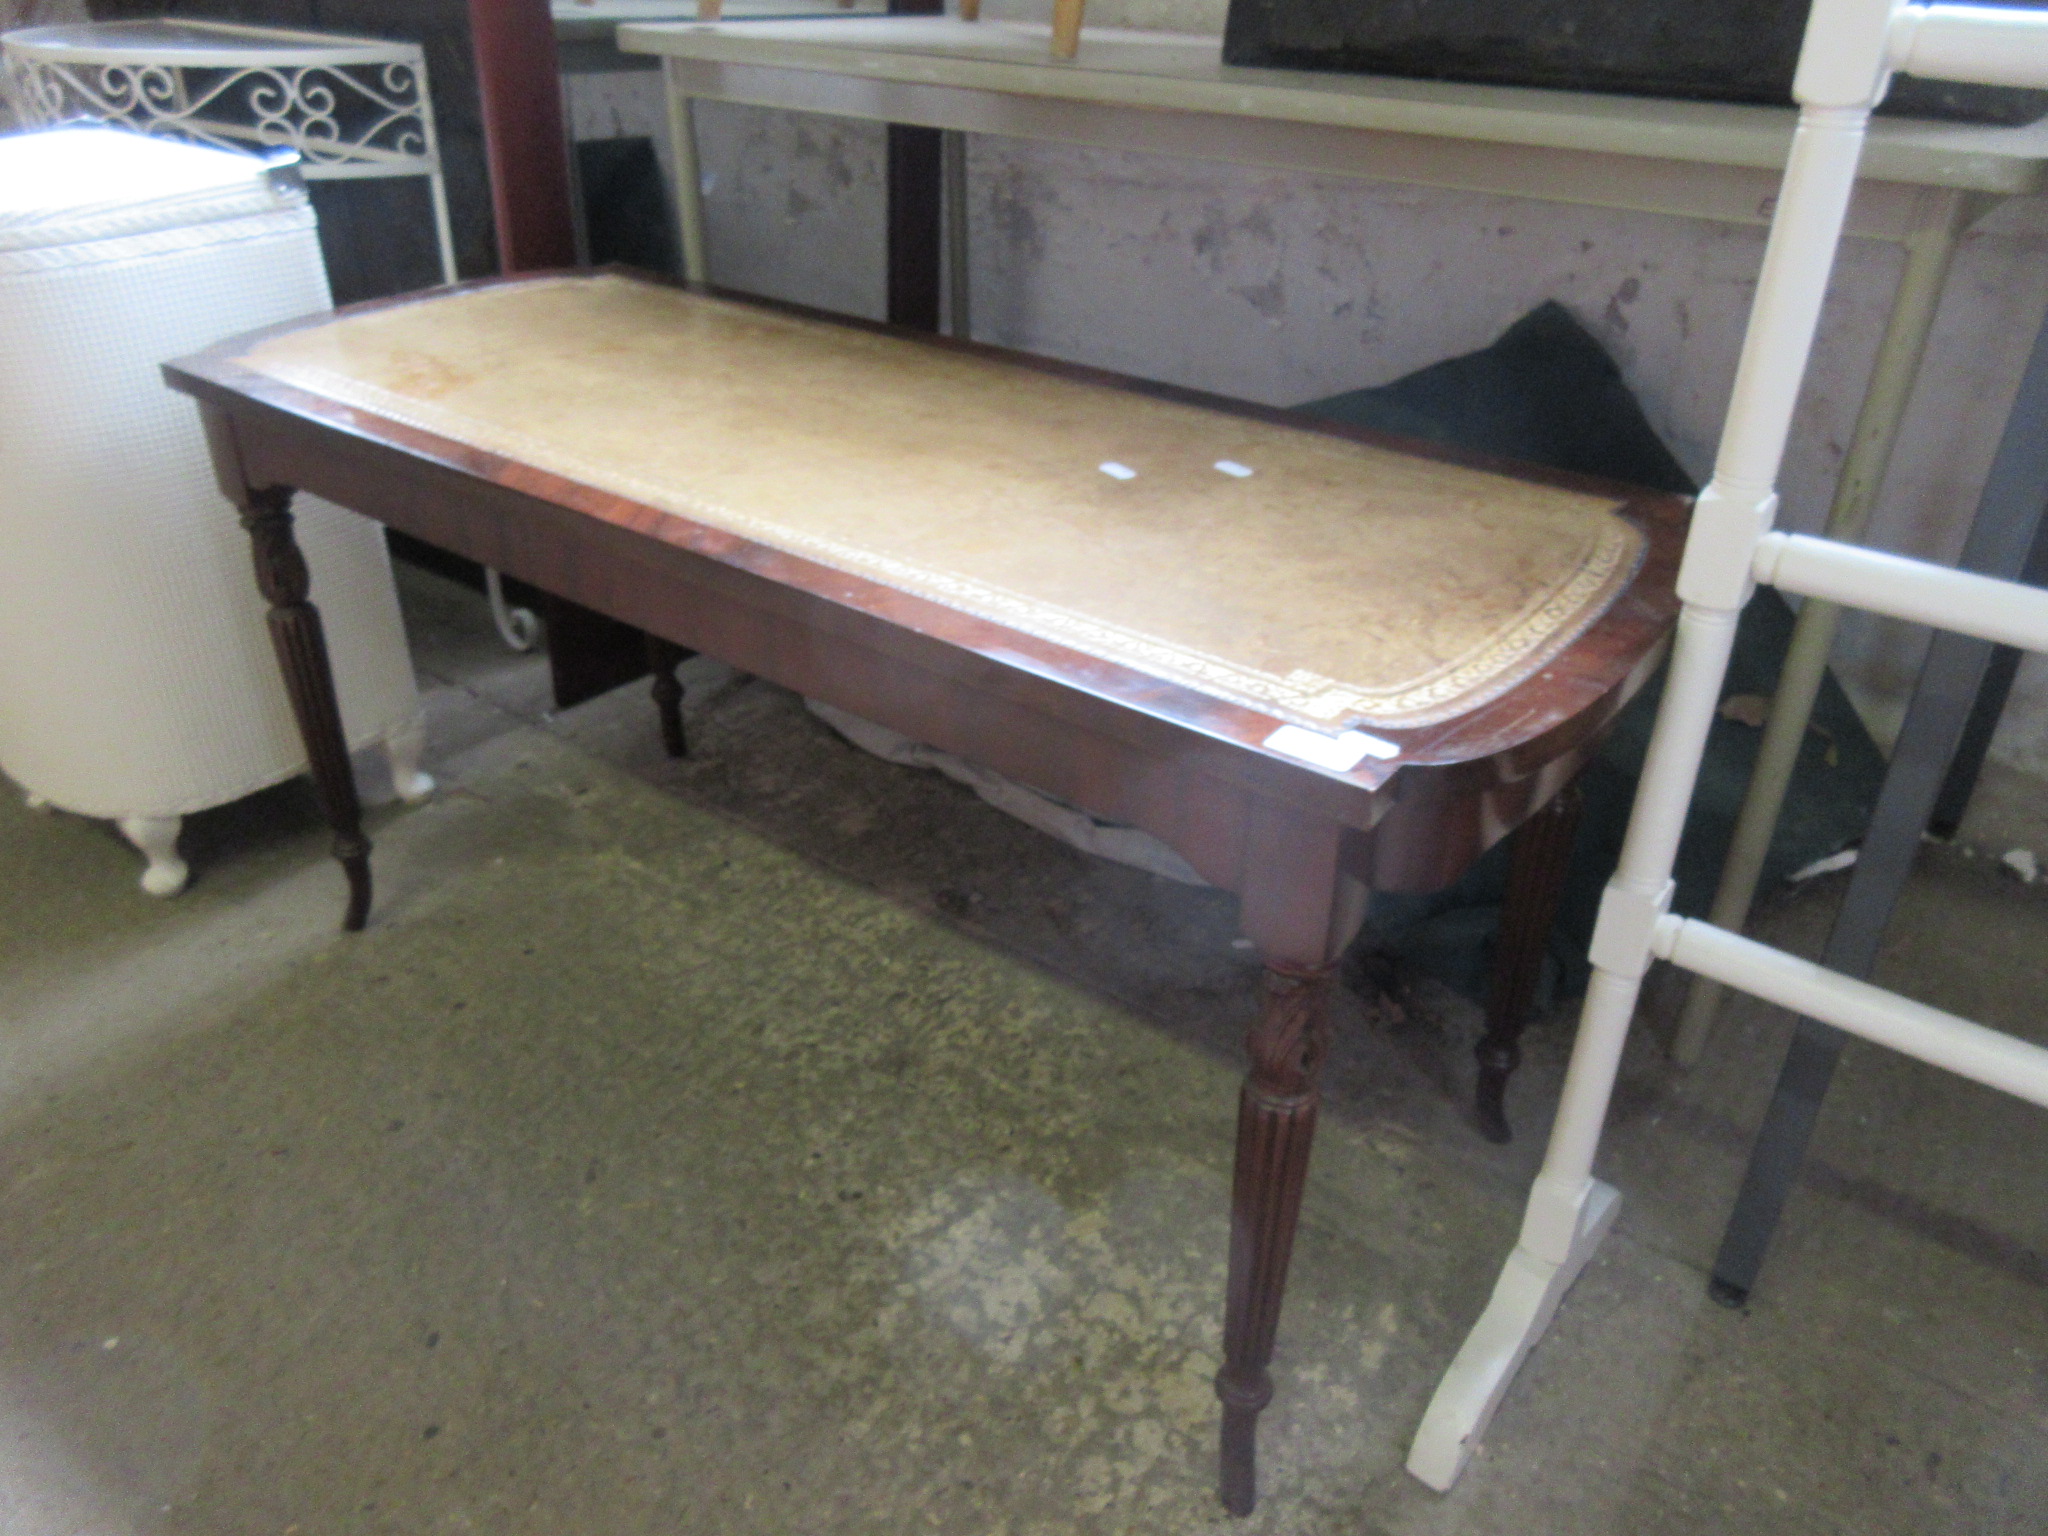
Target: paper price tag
(1339, 753)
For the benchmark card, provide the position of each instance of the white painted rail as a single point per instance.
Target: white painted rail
(1845, 66)
(2005, 612)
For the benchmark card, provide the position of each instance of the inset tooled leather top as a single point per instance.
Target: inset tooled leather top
(1335, 584)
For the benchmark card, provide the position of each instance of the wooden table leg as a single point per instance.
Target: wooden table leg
(301, 646)
(1293, 906)
(1276, 1124)
(1541, 853)
(663, 657)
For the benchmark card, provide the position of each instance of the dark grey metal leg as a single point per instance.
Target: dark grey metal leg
(1775, 1160)
(1961, 783)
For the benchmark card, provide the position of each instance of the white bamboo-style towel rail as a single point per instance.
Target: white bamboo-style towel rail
(1851, 49)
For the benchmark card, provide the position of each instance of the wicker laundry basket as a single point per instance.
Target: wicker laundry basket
(136, 676)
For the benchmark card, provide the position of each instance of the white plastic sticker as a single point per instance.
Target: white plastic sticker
(1234, 469)
(1338, 753)
(1117, 471)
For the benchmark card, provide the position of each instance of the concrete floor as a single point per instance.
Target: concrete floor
(783, 1142)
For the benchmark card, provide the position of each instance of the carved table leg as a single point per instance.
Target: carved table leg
(663, 657)
(1542, 850)
(301, 646)
(1276, 1121)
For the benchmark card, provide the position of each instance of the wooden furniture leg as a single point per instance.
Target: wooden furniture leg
(1276, 1124)
(1066, 28)
(913, 234)
(301, 647)
(533, 209)
(1541, 852)
(526, 141)
(1295, 907)
(663, 657)
(915, 160)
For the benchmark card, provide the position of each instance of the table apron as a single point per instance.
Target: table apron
(1194, 792)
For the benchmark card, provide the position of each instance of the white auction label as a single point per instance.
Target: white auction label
(1341, 753)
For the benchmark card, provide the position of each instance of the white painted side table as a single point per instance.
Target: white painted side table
(1923, 184)
(587, 30)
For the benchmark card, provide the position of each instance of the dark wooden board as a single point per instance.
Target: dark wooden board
(1717, 50)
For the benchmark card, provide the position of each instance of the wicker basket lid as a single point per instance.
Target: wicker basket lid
(74, 185)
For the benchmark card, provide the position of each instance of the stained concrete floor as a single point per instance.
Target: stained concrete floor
(783, 1142)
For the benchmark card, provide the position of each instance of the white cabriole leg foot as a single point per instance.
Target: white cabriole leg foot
(1524, 1301)
(402, 749)
(157, 837)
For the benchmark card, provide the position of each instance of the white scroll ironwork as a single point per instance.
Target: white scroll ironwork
(349, 107)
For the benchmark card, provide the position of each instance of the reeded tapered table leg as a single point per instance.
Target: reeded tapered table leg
(1276, 1122)
(1538, 860)
(301, 646)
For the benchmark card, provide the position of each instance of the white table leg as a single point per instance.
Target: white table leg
(403, 746)
(157, 837)
(959, 309)
(682, 132)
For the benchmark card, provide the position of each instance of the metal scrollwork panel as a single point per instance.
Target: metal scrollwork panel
(335, 115)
